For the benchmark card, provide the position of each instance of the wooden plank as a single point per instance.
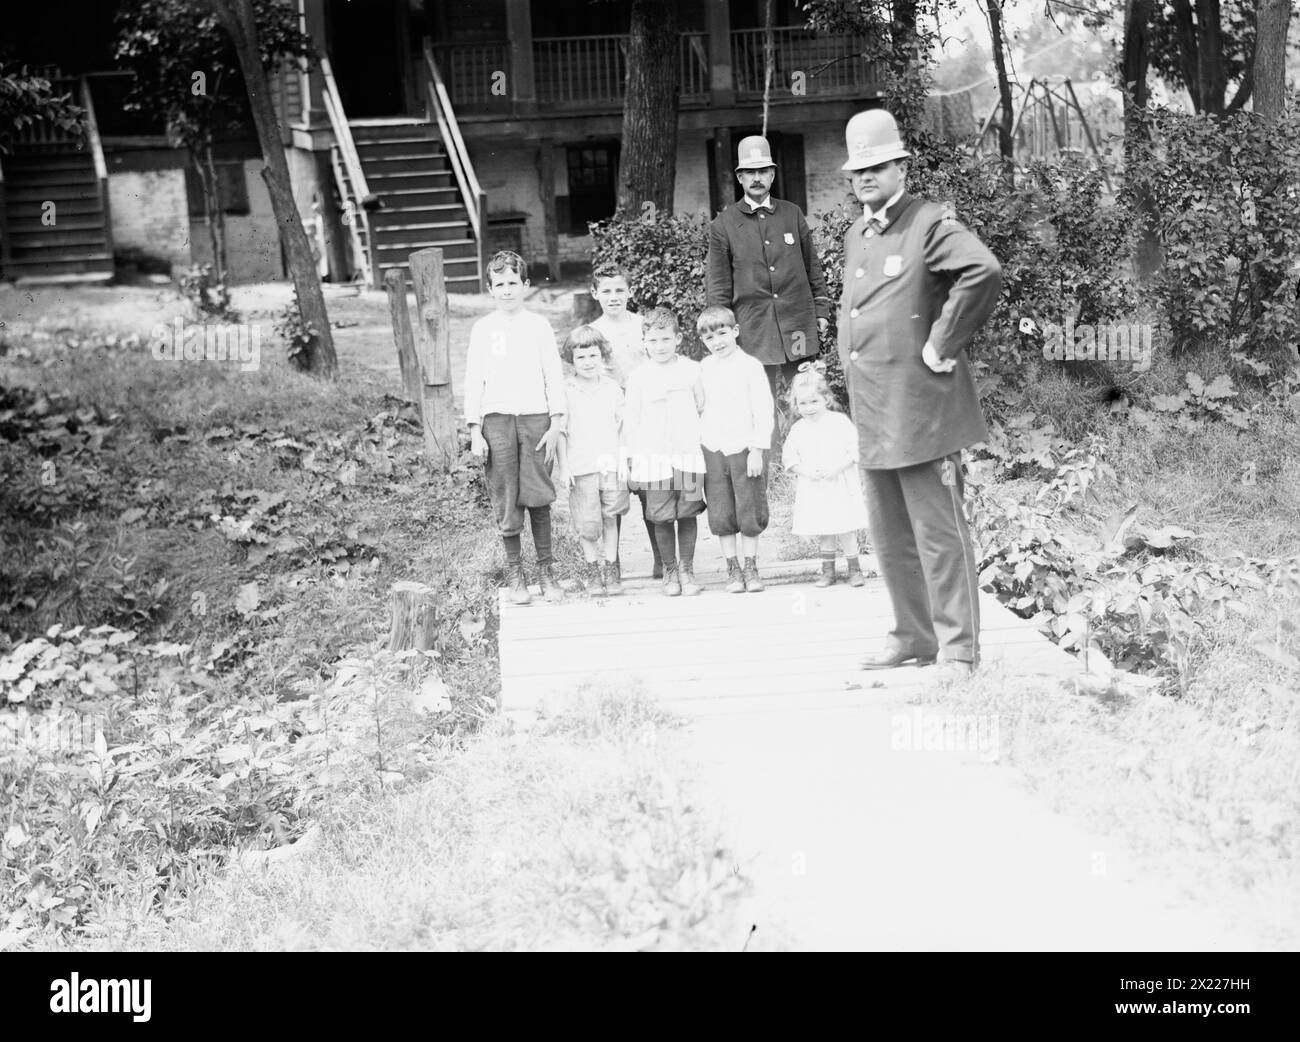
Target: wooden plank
(407, 359)
(433, 342)
(544, 657)
(615, 625)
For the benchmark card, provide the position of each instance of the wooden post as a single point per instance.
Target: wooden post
(395, 287)
(550, 222)
(415, 617)
(722, 89)
(519, 31)
(433, 344)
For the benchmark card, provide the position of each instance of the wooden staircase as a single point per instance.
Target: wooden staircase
(408, 170)
(54, 219)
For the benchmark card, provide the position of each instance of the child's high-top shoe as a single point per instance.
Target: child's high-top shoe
(689, 586)
(827, 578)
(594, 579)
(855, 571)
(672, 581)
(613, 582)
(517, 584)
(550, 588)
(753, 584)
(735, 579)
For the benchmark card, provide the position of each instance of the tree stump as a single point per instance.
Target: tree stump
(415, 617)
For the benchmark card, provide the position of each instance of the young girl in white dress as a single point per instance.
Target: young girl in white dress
(821, 450)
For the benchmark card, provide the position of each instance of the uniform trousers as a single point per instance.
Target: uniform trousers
(923, 548)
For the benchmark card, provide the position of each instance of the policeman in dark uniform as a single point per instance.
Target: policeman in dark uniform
(917, 286)
(762, 265)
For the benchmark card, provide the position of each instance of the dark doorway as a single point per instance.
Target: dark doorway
(368, 52)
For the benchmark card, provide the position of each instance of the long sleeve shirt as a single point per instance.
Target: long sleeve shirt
(595, 413)
(512, 367)
(661, 419)
(737, 404)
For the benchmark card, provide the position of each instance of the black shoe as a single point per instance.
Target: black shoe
(893, 657)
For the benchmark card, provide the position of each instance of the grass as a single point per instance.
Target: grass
(575, 836)
(441, 831)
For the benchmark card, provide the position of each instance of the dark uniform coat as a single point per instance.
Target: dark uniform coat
(764, 267)
(924, 277)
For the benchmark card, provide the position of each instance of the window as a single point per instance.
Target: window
(593, 181)
(232, 189)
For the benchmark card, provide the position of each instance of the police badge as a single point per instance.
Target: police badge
(893, 265)
(789, 238)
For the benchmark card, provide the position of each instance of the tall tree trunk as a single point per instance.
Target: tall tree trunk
(1272, 22)
(648, 166)
(237, 17)
(1134, 60)
(1006, 147)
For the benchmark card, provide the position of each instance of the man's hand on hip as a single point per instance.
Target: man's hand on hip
(931, 358)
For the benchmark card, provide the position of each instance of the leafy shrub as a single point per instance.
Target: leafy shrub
(298, 336)
(1228, 194)
(664, 257)
(208, 297)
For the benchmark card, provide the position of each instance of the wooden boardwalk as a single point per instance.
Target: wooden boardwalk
(791, 647)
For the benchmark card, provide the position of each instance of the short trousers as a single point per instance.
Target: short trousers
(737, 502)
(594, 497)
(674, 498)
(517, 475)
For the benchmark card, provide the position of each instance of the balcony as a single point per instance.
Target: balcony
(579, 74)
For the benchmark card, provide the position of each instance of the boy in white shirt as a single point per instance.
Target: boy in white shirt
(736, 433)
(622, 328)
(514, 405)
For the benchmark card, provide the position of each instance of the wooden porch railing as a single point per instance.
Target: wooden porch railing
(473, 69)
(43, 133)
(353, 189)
(590, 72)
(470, 189)
(831, 64)
(97, 155)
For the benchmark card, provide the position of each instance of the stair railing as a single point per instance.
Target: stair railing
(470, 189)
(97, 154)
(4, 223)
(348, 161)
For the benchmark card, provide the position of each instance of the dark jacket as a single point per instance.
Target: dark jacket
(763, 266)
(924, 277)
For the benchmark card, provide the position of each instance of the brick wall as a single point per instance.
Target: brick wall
(824, 154)
(150, 212)
(252, 239)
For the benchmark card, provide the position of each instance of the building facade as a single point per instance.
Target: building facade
(474, 125)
